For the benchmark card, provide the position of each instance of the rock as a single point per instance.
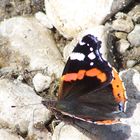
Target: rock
(66, 131)
(99, 31)
(20, 106)
(130, 63)
(133, 37)
(6, 135)
(135, 13)
(121, 35)
(31, 46)
(38, 132)
(122, 23)
(42, 18)
(122, 45)
(41, 82)
(67, 18)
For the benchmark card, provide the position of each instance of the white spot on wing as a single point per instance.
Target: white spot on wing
(77, 56)
(91, 49)
(82, 43)
(91, 63)
(87, 44)
(91, 56)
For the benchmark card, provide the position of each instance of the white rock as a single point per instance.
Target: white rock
(6, 135)
(99, 31)
(72, 17)
(68, 132)
(133, 37)
(28, 107)
(123, 23)
(122, 45)
(41, 82)
(130, 63)
(31, 45)
(136, 80)
(43, 19)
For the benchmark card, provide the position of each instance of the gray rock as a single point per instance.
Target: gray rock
(122, 45)
(133, 37)
(135, 13)
(20, 106)
(30, 46)
(130, 63)
(122, 23)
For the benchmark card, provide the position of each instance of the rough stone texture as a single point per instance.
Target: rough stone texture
(10, 8)
(135, 13)
(30, 45)
(6, 135)
(67, 18)
(20, 106)
(122, 23)
(121, 35)
(41, 82)
(99, 31)
(133, 37)
(130, 63)
(127, 130)
(122, 45)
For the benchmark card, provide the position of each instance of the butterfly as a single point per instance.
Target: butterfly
(90, 88)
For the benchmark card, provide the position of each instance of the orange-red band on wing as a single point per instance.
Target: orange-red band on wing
(107, 122)
(118, 88)
(81, 73)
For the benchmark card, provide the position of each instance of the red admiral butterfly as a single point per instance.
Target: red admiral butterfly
(90, 89)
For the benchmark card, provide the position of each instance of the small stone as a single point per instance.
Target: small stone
(121, 35)
(123, 23)
(6, 135)
(42, 18)
(134, 36)
(130, 63)
(41, 82)
(135, 13)
(122, 45)
(136, 80)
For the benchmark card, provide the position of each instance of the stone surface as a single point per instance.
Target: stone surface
(135, 13)
(99, 31)
(122, 23)
(67, 18)
(133, 37)
(66, 131)
(43, 19)
(130, 63)
(20, 106)
(121, 35)
(30, 45)
(41, 82)
(6, 135)
(122, 45)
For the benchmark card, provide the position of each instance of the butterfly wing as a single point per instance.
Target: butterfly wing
(87, 65)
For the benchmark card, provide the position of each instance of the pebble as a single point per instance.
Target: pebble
(121, 35)
(31, 46)
(20, 106)
(130, 63)
(122, 23)
(41, 82)
(122, 45)
(133, 37)
(135, 13)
